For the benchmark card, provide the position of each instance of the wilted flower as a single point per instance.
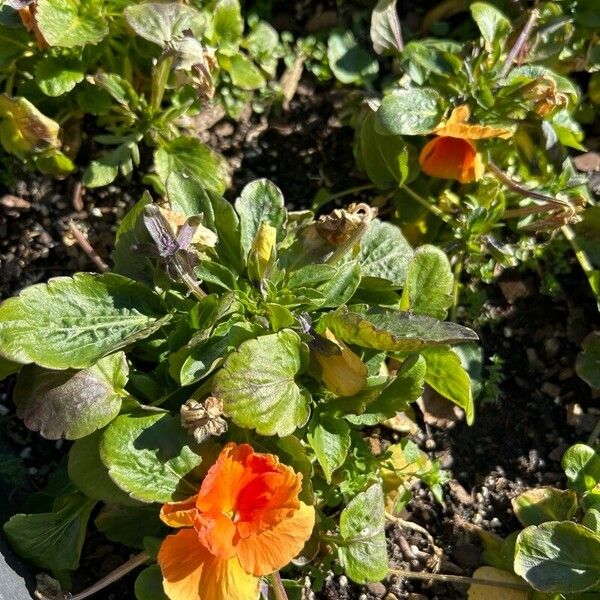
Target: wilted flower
(203, 420)
(246, 521)
(453, 154)
(342, 371)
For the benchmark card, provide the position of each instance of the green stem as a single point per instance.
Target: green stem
(593, 276)
(458, 579)
(277, 586)
(457, 271)
(432, 208)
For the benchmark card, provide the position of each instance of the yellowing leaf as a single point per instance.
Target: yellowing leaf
(488, 592)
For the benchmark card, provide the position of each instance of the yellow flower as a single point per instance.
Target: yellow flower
(343, 373)
(452, 154)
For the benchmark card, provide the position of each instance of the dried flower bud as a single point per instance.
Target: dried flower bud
(341, 225)
(203, 419)
(547, 98)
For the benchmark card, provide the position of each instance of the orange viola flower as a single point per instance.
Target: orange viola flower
(246, 521)
(453, 154)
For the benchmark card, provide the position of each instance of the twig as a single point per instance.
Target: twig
(517, 187)
(430, 207)
(119, 572)
(516, 49)
(87, 248)
(458, 579)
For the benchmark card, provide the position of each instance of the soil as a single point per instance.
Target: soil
(522, 428)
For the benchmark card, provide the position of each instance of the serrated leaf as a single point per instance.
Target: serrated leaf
(384, 253)
(364, 554)
(160, 23)
(412, 111)
(24, 130)
(429, 283)
(58, 75)
(258, 387)
(558, 557)
(447, 376)
(71, 23)
(90, 475)
(261, 201)
(350, 62)
(392, 330)
(52, 540)
(129, 525)
(186, 168)
(72, 322)
(538, 505)
(385, 30)
(330, 440)
(69, 403)
(150, 456)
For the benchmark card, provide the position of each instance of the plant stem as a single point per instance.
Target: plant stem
(521, 40)
(277, 586)
(457, 272)
(592, 274)
(87, 248)
(341, 194)
(119, 572)
(430, 207)
(458, 579)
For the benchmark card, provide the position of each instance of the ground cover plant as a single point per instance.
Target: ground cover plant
(339, 390)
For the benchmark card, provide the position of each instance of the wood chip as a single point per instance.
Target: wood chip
(10, 201)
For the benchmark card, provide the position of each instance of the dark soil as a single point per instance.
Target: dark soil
(538, 409)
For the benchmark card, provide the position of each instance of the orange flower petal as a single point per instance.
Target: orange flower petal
(451, 158)
(179, 514)
(271, 550)
(456, 126)
(217, 532)
(191, 572)
(221, 486)
(460, 114)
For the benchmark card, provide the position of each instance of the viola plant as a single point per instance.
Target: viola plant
(557, 554)
(469, 141)
(223, 380)
(135, 75)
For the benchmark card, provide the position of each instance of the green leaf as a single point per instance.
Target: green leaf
(538, 505)
(558, 557)
(8, 367)
(131, 233)
(89, 473)
(591, 520)
(227, 26)
(150, 456)
(349, 62)
(53, 162)
(385, 31)
(447, 376)
(243, 72)
(429, 283)
(582, 467)
(392, 330)
(364, 555)
(105, 169)
(588, 360)
(149, 584)
(161, 23)
(384, 253)
(75, 321)
(210, 353)
(341, 287)
(330, 439)
(492, 23)
(52, 540)
(129, 525)
(24, 130)
(411, 111)
(258, 387)
(186, 167)
(261, 201)
(58, 75)
(71, 404)
(71, 23)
